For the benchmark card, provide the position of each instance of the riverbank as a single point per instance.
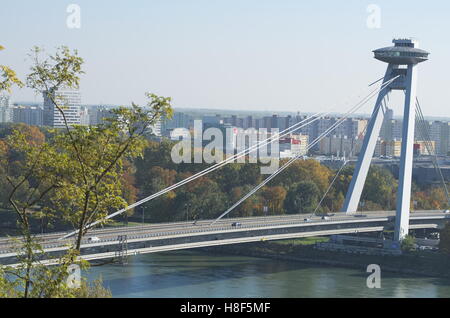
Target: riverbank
(423, 263)
(194, 274)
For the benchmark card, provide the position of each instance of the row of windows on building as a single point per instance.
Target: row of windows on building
(352, 129)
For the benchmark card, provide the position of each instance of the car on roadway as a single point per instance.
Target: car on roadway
(307, 220)
(424, 247)
(435, 236)
(325, 217)
(93, 239)
(446, 211)
(235, 224)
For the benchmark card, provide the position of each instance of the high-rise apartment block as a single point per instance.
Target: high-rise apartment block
(30, 115)
(6, 114)
(69, 102)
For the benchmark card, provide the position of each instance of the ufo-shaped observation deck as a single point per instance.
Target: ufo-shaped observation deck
(404, 52)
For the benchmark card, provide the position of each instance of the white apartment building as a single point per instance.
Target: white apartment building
(340, 145)
(6, 111)
(70, 102)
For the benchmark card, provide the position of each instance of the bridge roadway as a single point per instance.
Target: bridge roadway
(184, 235)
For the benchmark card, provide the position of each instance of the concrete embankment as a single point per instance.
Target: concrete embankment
(421, 263)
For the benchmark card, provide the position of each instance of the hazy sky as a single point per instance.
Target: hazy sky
(289, 55)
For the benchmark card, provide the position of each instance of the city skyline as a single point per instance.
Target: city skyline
(232, 55)
(257, 149)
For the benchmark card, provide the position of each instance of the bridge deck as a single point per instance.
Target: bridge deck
(184, 235)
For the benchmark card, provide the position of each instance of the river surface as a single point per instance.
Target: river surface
(189, 274)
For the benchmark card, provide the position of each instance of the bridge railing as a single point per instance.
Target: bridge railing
(200, 229)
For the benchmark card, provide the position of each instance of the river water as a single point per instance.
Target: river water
(189, 274)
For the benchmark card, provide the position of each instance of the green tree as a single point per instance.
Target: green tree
(444, 239)
(342, 182)
(8, 77)
(302, 197)
(372, 206)
(29, 180)
(380, 188)
(47, 283)
(93, 155)
(408, 243)
(229, 176)
(203, 197)
(74, 175)
(273, 198)
(432, 198)
(156, 154)
(250, 174)
(302, 170)
(129, 190)
(249, 207)
(157, 179)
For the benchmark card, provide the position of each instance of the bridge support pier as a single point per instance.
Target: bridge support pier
(365, 157)
(406, 159)
(401, 74)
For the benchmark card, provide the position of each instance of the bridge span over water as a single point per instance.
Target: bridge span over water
(125, 241)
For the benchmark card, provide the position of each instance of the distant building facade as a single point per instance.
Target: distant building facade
(6, 114)
(30, 115)
(340, 145)
(293, 145)
(70, 100)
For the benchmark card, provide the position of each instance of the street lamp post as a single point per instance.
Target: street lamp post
(187, 206)
(362, 204)
(125, 219)
(143, 215)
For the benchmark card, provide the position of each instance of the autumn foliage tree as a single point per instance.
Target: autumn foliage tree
(431, 199)
(250, 207)
(76, 174)
(303, 197)
(302, 170)
(274, 198)
(8, 77)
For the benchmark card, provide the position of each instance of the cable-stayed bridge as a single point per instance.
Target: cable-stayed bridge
(401, 74)
(117, 242)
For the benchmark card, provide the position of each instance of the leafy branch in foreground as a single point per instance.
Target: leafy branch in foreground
(8, 77)
(73, 175)
(93, 155)
(94, 188)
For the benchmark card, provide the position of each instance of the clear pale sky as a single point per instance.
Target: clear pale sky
(284, 55)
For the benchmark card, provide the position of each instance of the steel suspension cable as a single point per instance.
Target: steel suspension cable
(431, 150)
(382, 105)
(270, 140)
(428, 143)
(243, 153)
(340, 170)
(317, 140)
